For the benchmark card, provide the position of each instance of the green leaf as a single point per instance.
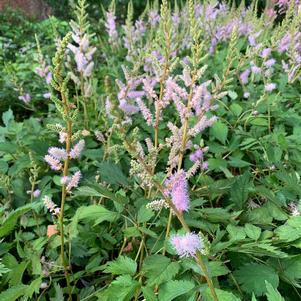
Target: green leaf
(121, 266)
(17, 272)
(59, 294)
(220, 131)
(158, 269)
(291, 267)
(7, 117)
(291, 230)
(174, 288)
(13, 293)
(273, 294)
(236, 109)
(149, 294)
(8, 147)
(123, 288)
(232, 94)
(3, 167)
(112, 174)
(252, 278)
(221, 294)
(34, 287)
(240, 190)
(10, 222)
(252, 231)
(144, 214)
(236, 162)
(95, 213)
(236, 232)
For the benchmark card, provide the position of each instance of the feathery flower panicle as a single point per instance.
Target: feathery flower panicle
(74, 180)
(246, 95)
(47, 95)
(255, 69)
(62, 136)
(177, 188)
(36, 193)
(157, 205)
(269, 63)
(111, 26)
(153, 17)
(52, 207)
(265, 52)
(128, 108)
(244, 76)
(53, 163)
(65, 180)
(187, 245)
(77, 149)
(58, 153)
(201, 125)
(147, 115)
(196, 156)
(25, 98)
(270, 87)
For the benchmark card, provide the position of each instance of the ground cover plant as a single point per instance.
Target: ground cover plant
(152, 158)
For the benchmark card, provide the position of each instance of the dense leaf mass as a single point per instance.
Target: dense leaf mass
(153, 156)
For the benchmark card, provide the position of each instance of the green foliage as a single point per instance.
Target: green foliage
(245, 206)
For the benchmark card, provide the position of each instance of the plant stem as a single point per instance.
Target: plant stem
(64, 193)
(179, 215)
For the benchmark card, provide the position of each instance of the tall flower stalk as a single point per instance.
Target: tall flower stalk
(59, 158)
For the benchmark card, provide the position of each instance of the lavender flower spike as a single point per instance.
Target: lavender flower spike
(270, 87)
(187, 245)
(77, 149)
(58, 153)
(74, 181)
(53, 162)
(177, 188)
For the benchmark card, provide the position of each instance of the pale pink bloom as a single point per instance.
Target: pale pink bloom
(65, 180)
(53, 163)
(52, 207)
(147, 115)
(62, 137)
(74, 181)
(77, 149)
(58, 153)
(187, 245)
(25, 98)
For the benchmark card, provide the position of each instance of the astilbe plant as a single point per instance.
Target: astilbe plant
(58, 158)
(191, 102)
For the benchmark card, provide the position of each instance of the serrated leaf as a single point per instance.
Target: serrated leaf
(221, 295)
(273, 294)
(144, 214)
(236, 109)
(112, 174)
(7, 117)
(174, 288)
(95, 213)
(121, 266)
(252, 231)
(148, 294)
(220, 131)
(252, 278)
(240, 190)
(158, 269)
(13, 293)
(59, 294)
(123, 288)
(34, 287)
(291, 230)
(236, 232)
(10, 222)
